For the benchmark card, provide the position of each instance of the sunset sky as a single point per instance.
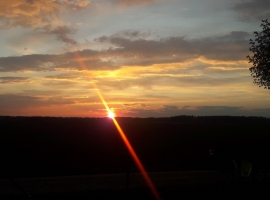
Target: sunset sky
(148, 58)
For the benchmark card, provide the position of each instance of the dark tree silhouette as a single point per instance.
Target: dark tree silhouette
(260, 47)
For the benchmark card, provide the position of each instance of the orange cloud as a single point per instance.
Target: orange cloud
(78, 4)
(33, 13)
(28, 13)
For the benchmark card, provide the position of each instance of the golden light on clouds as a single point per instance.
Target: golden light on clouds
(28, 13)
(142, 55)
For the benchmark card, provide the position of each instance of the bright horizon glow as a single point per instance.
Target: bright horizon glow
(111, 114)
(120, 131)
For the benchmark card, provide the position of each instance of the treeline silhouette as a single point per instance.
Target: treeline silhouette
(54, 146)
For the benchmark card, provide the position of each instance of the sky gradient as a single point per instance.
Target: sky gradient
(148, 58)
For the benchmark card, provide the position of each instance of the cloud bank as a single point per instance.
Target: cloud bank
(253, 10)
(141, 52)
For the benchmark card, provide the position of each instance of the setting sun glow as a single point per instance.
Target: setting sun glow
(122, 134)
(111, 114)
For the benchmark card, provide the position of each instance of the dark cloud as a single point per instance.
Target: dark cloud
(230, 47)
(60, 84)
(35, 62)
(149, 82)
(34, 92)
(130, 104)
(239, 37)
(213, 110)
(253, 9)
(13, 80)
(39, 62)
(30, 1)
(131, 34)
(205, 80)
(198, 111)
(17, 104)
(61, 33)
(68, 76)
(13, 101)
(166, 108)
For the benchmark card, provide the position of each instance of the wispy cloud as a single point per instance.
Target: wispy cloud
(76, 4)
(41, 16)
(61, 33)
(22, 101)
(134, 2)
(13, 80)
(28, 13)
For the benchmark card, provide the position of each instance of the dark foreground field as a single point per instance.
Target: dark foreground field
(85, 157)
(170, 185)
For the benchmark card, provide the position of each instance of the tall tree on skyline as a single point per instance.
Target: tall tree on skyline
(260, 47)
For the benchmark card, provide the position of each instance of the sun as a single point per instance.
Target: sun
(111, 114)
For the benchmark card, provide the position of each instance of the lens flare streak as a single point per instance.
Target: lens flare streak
(137, 161)
(122, 134)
